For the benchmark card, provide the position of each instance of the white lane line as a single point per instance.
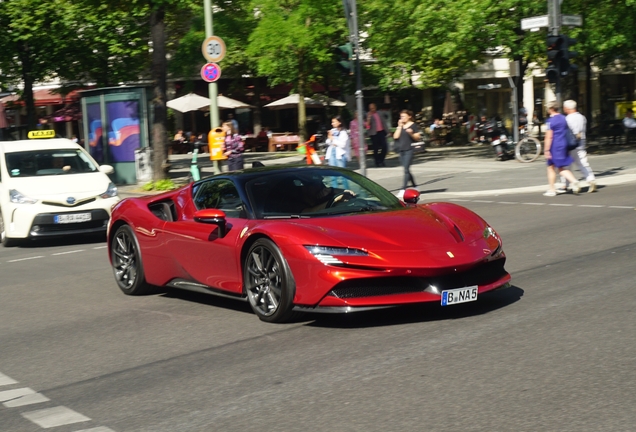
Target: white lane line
(591, 206)
(5, 380)
(53, 417)
(621, 207)
(21, 397)
(506, 202)
(562, 205)
(68, 252)
(100, 247)
(460, 200)
(482, 201)
(25, 259)
(537, 204)
(97, 429)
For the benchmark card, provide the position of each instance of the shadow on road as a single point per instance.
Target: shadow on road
(428, 312)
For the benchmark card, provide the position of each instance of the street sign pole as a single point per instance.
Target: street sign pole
(213, 91)
(554, 17)
(351, 11)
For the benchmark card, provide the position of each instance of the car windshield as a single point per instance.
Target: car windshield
(319, 192)
(48, 162)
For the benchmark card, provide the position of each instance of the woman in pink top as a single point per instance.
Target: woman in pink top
(354, 135)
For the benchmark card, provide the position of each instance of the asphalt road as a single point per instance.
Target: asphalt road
(554, 352)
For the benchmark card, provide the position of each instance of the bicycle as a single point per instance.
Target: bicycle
(528, 148)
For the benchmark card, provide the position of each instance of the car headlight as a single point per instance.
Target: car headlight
(110, 192)
(325, 254)
(17, 198)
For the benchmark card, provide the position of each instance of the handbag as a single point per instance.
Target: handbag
(571, 139)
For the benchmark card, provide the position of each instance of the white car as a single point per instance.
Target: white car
(52, 187)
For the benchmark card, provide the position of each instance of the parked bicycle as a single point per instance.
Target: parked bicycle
(528, 148)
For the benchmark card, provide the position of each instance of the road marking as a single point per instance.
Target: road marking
(5, 380)
(97, 429)
(541, 204)
(537, 204)
(25, 259)
(69, 252)
(621, 207)
(21, 397)
(561, 205)
(506, 202)
(482, 201)
(53, 417)
(590, 205)
(100, 247)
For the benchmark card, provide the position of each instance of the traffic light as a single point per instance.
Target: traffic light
(344, 58)
(555, 45)
(566, 66)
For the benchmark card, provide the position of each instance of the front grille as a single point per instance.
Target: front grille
(380, 286)
(61, 204)
(45, 222)
(45, 229)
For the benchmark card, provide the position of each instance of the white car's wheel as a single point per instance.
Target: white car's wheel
(6, 241)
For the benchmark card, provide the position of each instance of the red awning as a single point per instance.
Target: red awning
(44, 97)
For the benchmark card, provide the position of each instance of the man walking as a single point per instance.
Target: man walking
(378, 128)
(578, 125)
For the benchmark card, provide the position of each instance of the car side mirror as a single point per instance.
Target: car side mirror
(214, 217)
(411, 196)
(106, 169)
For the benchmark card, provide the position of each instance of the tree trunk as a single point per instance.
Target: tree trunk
(27, 77)
(159, 134)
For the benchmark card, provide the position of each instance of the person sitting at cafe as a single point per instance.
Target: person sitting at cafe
(629, 123)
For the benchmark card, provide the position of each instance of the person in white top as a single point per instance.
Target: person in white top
(339, 150)
(578, 125)
(629, 123)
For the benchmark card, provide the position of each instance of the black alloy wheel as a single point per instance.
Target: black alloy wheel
(126, 262)
(268, 282)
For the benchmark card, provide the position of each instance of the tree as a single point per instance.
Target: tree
(293, 40)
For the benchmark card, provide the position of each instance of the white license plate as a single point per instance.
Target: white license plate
(459, 295)
(72, 218)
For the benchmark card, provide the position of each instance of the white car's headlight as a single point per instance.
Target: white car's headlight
(325, 254)
(110, 192)
(17, 198)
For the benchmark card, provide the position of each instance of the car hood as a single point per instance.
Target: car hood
(402, 236)
(60, 187)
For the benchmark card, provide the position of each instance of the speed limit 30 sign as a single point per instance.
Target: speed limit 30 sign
(213, 49)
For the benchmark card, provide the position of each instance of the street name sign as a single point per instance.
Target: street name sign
(213, 49)
(571, 20)
(534, 22)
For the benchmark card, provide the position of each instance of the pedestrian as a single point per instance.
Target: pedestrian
(629, 123)
(235, 123)
(339, 145)
(378, 129)
(406, 133)
(234, 147)
(556, 151)
(578, 125)
(354, 136)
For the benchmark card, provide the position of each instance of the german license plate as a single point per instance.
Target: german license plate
(72, 218)
(459, 295)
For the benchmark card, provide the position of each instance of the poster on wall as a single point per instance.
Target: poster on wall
(124, 130)
(95, 143)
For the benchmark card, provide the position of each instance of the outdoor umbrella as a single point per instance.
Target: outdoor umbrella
(224, 102)
(189, 102)
(291, 101)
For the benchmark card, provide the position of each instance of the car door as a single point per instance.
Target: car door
(206, 257)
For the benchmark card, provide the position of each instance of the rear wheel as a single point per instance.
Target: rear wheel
(528, 149)
(6, 241)
(268, 282)
(126, 262)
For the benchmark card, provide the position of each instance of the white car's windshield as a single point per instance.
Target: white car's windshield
(48, 162)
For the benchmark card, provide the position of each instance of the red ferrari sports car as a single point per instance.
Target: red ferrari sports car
(305, 238)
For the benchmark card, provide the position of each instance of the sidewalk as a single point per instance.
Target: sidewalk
(445, 172)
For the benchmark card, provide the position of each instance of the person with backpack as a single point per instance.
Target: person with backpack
(556, 152)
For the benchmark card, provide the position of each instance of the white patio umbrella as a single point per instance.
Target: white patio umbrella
(291, 101)
(224, 102)
(189, 102)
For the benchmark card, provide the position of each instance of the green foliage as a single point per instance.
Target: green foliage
(160, 185)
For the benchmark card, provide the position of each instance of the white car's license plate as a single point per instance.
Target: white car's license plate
(459, 295)
(72, 218)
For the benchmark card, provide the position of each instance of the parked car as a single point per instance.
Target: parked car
(52, 187)
(312, 239)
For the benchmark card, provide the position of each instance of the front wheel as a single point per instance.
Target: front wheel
(528, 150)
(127, 266)
(268, 282)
